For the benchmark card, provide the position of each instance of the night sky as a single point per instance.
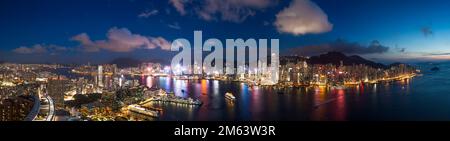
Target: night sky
(97, 31)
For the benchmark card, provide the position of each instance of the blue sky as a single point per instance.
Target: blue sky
(43, 31)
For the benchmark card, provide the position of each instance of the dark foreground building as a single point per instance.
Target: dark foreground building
(16, 108)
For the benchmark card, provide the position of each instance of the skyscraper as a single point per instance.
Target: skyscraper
(56, 89)
(100, 76)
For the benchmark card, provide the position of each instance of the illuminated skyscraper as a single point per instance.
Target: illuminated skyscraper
(100, 76)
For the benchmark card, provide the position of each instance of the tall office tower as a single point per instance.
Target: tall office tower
(80, 85)
(121, 80)
(56, 89)
(100, 76)
(115, 70)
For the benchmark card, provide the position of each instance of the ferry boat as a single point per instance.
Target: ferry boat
(144, 111)
(176, 99)
(230, 96)
(191, 101)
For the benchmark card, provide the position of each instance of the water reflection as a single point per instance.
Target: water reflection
(149, 82)
(366, 101)
(340, 105)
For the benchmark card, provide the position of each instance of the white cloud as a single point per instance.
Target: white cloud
(302, 17)
(147, 14)
(87, 44)
(121, 40)
(161, 42)
(179, 6)
(226, 10)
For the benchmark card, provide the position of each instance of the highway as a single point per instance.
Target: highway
(51, 111)
(50, 107)
(35, 110)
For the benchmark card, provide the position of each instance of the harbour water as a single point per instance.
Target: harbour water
(425, 97)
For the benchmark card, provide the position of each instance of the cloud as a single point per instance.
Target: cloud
(227, 10)
(341, 46)
(147, 14)
(121, 40)
(426, 31)
(118, 40)
(179, 6)
(401, 50)
(174, 26)
(302, 17)
(40, 49)
(161, 42)
(438, 54)
(30, 50)
(82, 38)
(86, 44)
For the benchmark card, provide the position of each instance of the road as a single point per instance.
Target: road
(35, 110)
(51, 111)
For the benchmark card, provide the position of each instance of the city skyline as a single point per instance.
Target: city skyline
(43, 92)
(53, 31)
(223, 69)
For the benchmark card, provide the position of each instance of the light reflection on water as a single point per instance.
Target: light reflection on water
(424, 97)
(410, 99)
(253, 103)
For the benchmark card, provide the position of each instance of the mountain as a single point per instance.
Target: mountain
(126, 62)
(335, 58)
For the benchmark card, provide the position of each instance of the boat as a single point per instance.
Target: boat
(142, 110)
(172, 98)
(435, 69)
(190, 101)
(230, 96)
(342, 85)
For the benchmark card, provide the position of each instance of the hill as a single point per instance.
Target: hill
(335, 58)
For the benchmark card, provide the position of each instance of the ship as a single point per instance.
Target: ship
(144, 111)
(230, 96)
(176, 99)
(435, 69)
